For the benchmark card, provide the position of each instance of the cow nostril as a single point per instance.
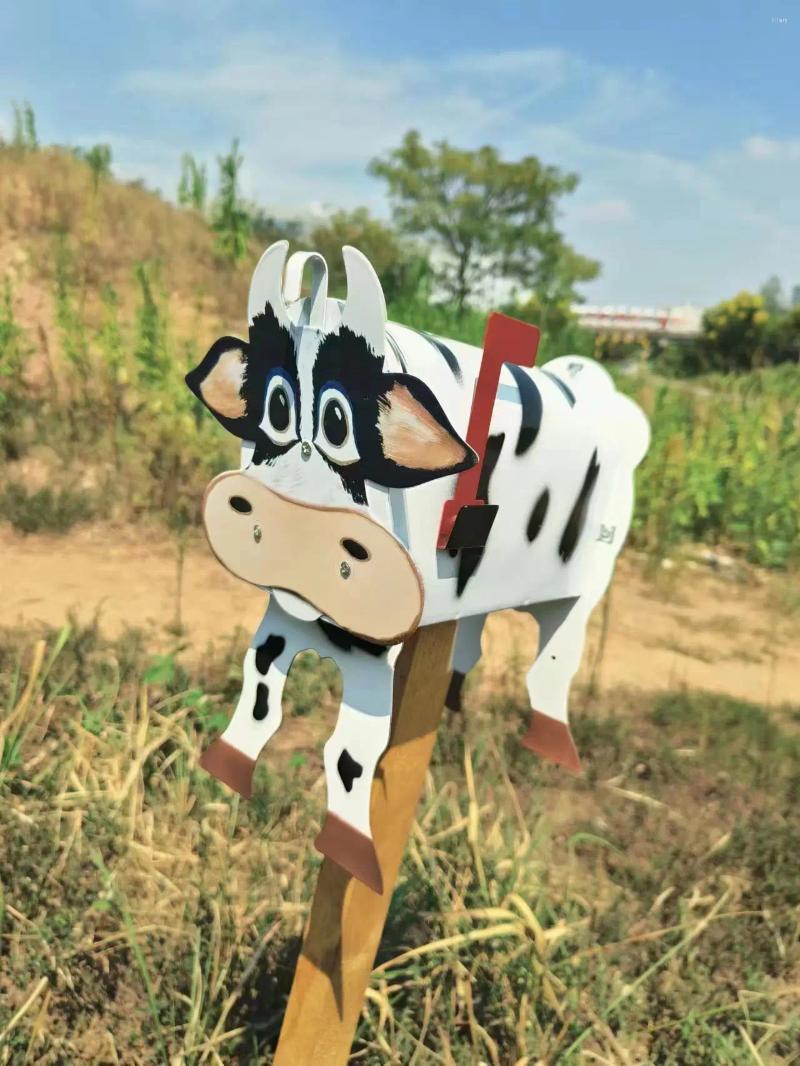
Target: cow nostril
(240, 504)
(352, 547)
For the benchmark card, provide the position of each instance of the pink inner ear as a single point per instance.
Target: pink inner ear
(222, 388)
(413, 438)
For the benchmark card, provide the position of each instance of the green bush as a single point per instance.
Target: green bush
(734, 335)
(404, 271)
(742, 334)
(723, 464)
(45, 510)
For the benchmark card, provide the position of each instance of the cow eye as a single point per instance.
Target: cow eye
(279, 416)
(334, 423)
(335, 436)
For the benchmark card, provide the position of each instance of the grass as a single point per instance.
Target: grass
(645, 912)
(722, 465)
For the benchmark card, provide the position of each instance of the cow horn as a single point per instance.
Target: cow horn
(365, 310)
(267, 284)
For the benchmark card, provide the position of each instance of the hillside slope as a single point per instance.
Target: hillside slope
(48, 195)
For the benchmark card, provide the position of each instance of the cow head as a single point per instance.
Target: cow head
(325, 421)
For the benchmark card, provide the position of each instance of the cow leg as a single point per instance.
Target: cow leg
(351, 756)
(466, 652)
(232, 757)
(562, 630)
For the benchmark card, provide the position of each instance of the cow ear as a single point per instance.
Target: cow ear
(220, 380)
(417, 441)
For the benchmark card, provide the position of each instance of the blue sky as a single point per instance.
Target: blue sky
(683, 119)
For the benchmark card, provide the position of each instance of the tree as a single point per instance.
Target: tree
(193, 184)
(401, 268)
(150, 347)
(784, 337)
(24, 135)
(735, 335)
(231, 221)
(487, 215)
(550, 306)
(98, 159)
(266, 228)
(772, 294)
(795, 300)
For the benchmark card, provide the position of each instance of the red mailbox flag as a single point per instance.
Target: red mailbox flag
(506, 340)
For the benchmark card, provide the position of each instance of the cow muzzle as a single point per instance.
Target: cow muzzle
(342, 562)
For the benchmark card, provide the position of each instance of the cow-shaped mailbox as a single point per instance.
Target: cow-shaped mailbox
(356, 434)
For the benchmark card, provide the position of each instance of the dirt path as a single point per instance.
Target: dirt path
(697, 629)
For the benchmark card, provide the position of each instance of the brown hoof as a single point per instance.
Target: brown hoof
(230, 766)
(552, 740)
(453, 697)
(351, 850)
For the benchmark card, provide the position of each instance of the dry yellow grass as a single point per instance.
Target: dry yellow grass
(150, 917)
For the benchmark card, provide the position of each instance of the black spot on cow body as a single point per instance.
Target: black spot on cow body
(577, 518)
(471, 557)
(268, 652)
(494, 445)
(349, 641)
(348, 769)
(261, 705)
(538, 515)
(531, 402)
(446, 353)
(568, 393)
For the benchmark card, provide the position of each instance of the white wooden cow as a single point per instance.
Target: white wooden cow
(353, 433)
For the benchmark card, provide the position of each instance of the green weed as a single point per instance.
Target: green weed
(46, 510)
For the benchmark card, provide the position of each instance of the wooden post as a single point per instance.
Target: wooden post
(346, 920)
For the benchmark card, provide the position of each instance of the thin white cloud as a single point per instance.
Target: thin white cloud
(603, 211)
(666, 228)
(311, 122)
(769, 148)
(547, 68)
(618, 99)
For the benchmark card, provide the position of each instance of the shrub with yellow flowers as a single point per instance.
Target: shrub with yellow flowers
(735, 335)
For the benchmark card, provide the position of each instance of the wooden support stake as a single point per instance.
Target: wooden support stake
(346, 920)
